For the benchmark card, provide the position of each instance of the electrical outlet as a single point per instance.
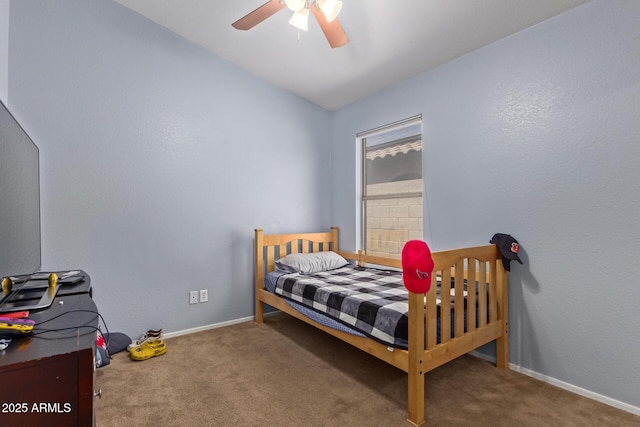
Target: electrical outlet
(204, 295)
(193, 297)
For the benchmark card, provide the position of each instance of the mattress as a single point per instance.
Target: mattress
(371, 300)
(270, 282)
(397, 341)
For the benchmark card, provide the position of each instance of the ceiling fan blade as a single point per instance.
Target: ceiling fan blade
(332, 30)
(252, 19)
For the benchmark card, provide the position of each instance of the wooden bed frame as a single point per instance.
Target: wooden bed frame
(421, 356)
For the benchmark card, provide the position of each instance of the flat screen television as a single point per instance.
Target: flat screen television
(19, 199)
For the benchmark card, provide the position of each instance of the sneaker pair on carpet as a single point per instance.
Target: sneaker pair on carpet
(148, 346)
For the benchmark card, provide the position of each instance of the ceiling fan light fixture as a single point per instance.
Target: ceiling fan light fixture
(296, 5)
(330, 8)
(331, 27)
(300, 19)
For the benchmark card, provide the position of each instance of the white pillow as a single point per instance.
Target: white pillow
(310, 263)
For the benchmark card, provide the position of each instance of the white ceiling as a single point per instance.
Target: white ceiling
(390, 41)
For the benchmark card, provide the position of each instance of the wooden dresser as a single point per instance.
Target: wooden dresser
(48, 379)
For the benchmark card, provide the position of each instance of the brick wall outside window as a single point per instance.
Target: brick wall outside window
(392, 222)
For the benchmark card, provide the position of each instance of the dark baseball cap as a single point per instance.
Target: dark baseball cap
(509, 248)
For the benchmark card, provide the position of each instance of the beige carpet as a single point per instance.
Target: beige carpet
(286, 373)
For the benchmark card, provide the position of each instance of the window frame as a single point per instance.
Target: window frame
(363, 195)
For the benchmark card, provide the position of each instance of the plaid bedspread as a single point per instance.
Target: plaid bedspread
(373, 301)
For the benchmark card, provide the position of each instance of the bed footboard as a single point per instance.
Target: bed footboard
(452, 333)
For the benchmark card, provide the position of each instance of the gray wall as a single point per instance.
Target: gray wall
(536, 135)
(158, 160)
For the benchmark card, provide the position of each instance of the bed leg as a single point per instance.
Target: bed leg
(416, 359)
(502, 343)
(259, 311)
(502, 351)
(416, 398)
(259, 273)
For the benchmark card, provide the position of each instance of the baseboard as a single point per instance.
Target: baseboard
(208, 327)
(215, 325)
(565, 386)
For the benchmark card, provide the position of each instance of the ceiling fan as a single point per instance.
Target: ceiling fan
(325, 11)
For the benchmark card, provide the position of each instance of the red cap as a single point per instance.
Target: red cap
(417, 266)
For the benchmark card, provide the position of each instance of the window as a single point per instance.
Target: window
(391, 187)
